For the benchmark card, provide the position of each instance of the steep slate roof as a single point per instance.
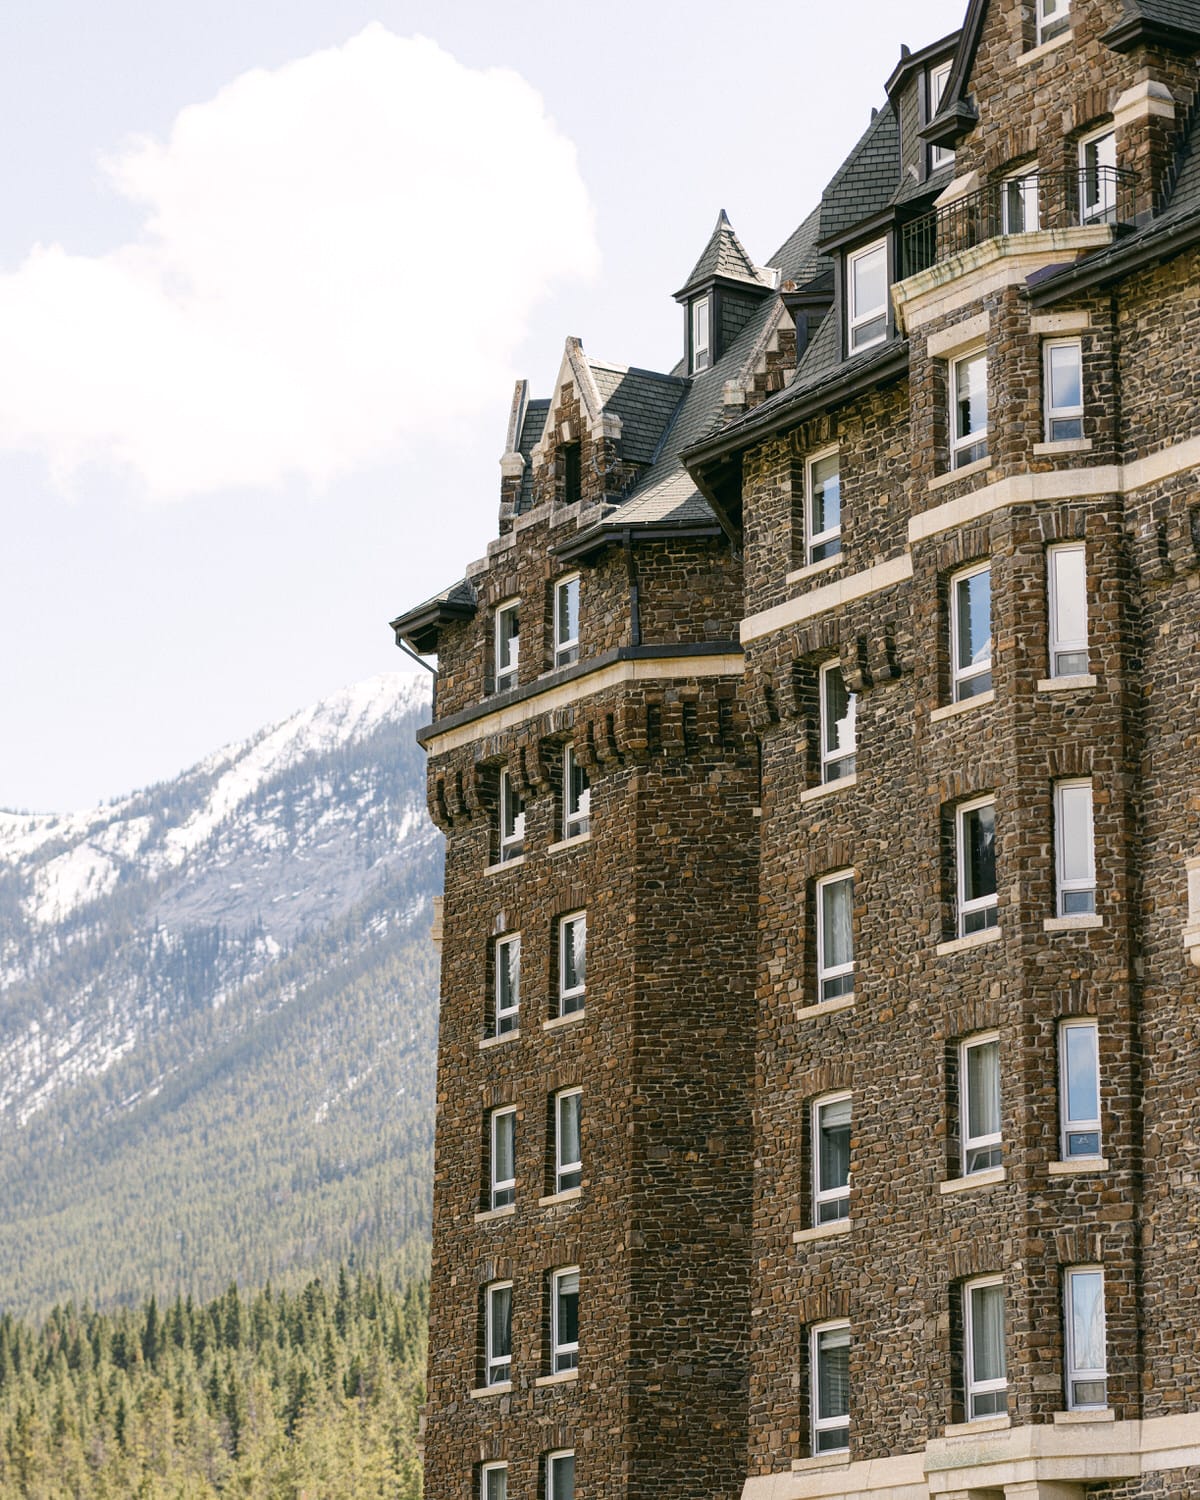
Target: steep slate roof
(457, 602)
(865, 183)
(532, 428)
(644, 400)
(798, 258)
(1174, 18)
(723, 256)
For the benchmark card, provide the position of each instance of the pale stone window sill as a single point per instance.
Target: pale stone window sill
(822, 1231)
(1062, 445)
(505, 864)
(980, 1424)
(569, 1019)
(980, 466)
(564, 1377)
(827, 788)
(503, 1389)
(990, 1178)
(498, 1041)
(951, 710)
(575, 839)
(825, 1008)
(568, 1195)
(838, 1460)
(1081, 922)
(1035, 54)
(1078, 1166)
(801, 575)
(1066, 684)
(1095, 1414)
(505, 1212)
(972, 940)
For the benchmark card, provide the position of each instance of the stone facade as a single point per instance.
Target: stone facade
(695, 709)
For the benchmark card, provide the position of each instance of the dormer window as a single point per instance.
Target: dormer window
(508, 627)
(1053, 18)
(701, 335)
(867, 288)
(939, 77)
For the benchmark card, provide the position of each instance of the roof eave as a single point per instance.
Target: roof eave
(732, 283)
(1136, 254)
(590, 543)
(865, 229)
(419, 628)
(909, 63)
(951, 124)
(1136, 31)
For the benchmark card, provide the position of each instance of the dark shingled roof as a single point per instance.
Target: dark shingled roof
(644, 400)
(532, 428)
(722, 256)
(866, 181)
(798, 258)
(1182, 15)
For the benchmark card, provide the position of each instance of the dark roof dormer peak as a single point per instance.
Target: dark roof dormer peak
(723, 259)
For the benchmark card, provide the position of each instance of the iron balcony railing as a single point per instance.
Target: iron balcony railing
(1019, 205)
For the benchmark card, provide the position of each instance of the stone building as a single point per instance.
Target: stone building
(818, 750)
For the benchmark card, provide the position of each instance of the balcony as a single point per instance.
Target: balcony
(1090, 198)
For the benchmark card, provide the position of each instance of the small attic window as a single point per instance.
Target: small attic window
(867, 296)
(701, 340)
(1053, 18)
(939, 77)
(572, 474)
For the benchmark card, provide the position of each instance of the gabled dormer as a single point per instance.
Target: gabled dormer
(915, 91)
(719, 297)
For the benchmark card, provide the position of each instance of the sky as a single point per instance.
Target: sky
(268, 271)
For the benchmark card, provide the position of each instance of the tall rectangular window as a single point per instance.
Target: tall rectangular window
(498, 1333)
(976, 859)
(568, 1162)
(830, 1367)
(971, 632)
(968, 409)
(1062, 389)
(831, 1158)
(1087, 1356)
(838, 716)
(566, 621)
(572, 462)
(508, 983)
(985, 1367)
(867, 276)
(1019, 212)
(835, 935)
(1098, 179)
(1053, 18)
(493, 1482)
(979, 1100)
(823, 508)
(1066, 580)
(503, 1158)
(512, 820)
(1075, 855)
(701, 357)
(577, 796)
(560, 1475)
(564, 1320)
(1079, 1088)
(572, 962)
(508, 642)
(939, 77)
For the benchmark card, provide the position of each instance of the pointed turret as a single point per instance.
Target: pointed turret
(720, 294)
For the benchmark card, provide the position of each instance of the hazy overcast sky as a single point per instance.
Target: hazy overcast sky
(268, 269)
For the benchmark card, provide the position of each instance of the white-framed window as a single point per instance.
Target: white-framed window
(1087, 1358)
(508, 644)
(1066, 586)
(493, 1482)
(566, 621)
(979, 1102)
(939, 77)
(568, 1162)
(985, 1368)
(831, 1158)
(1098, 177)
(1074, 848)
(1053, 18)
(968, 408)
(1079, 1088)
(577, 796)
(1019, 212)
(701, 340)
(830, 1367)
(867, 300)
(971, 632)
(835, 935)
(560, 1475)
(503, 1167)
(564, 1320)
(1062, 389)
(572, 962)
(975, 856)
(508, 983)
(512, 820)
(823, 506)
(838, 717)
(498, 1333)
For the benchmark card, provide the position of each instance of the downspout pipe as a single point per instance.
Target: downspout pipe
(421, 662)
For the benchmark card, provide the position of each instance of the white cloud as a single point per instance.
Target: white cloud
(336, 256)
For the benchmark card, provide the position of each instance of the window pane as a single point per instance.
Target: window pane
(568, 1130)
(839, 716)
(1083, 1073)
(508, 975)
(1087, 1319)
(970, 393)
(837, 928)
(833, 1135)
(1075, 832)
(826, 500)
(505, 1137)
(501, 1323)
(987, 1333)
(833, 1373)
(495, 1484)
(979, 854)
(574, 952)
(870, 281)
(1065, 375)
(1068, 568)
(567, 1308)
(983, 1090)
(562, 1477)
(568, 612)
(974, 612)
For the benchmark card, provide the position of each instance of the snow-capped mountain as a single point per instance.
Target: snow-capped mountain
(217, 916)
